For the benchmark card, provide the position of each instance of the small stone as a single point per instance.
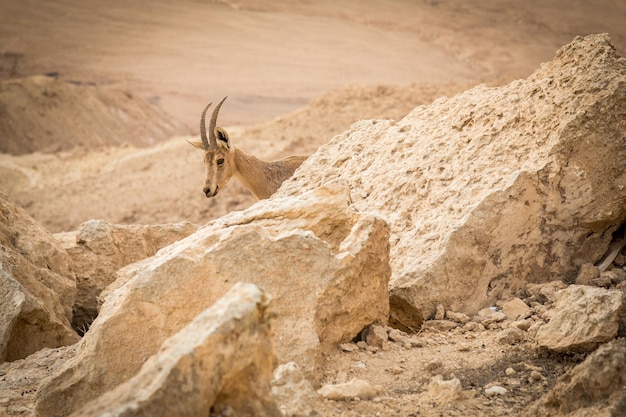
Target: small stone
(510, 336)
(434, 365)
(464, 347)
(375, 335)
(440, 325)
(510, 371)
(348, 347)
(603, 281)
(495, 390)
(440, 312)
(522, 324)
(444, 391)
(490, 315)
(536, 376)
(531, 367)
(460, 318)
(514, 308)
(545, 292)
(415, 342)
(396, 370)
(361, 344)
(472, 326)
(396, 335)
(615, 275)
(355, 388)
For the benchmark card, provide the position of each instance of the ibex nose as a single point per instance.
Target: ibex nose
(209, 193)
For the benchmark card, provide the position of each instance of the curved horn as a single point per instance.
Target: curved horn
(213, 123)
(205, 141)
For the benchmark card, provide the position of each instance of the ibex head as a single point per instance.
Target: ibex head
(218, 153)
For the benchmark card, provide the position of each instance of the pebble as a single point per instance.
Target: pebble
(495, 390)
(464, 347)
(536, 376)
(522, 324)
(434, 365)
(460, 318)
(509, 371)
(396, 335)
(353, 389)
(510, 336)
(348, 347)
(396, 370)
(414, 342)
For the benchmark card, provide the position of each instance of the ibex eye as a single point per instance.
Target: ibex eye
(220, 162)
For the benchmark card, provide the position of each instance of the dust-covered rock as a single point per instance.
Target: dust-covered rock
(593, 388)
(98, 249)
(308, 252)
(495, 187)
(584, 317)
(514, 308)
(222, 359)
(292, 392)
(355, 388)
(37, 286)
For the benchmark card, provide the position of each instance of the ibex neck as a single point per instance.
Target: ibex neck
(256, 175)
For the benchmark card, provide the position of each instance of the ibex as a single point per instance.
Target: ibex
(223, 161)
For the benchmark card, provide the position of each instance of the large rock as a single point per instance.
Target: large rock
(37, 286)
(326, 267)
(222, 360)
(98, 249)
(596, 387)
(583, 318)
(495, 187)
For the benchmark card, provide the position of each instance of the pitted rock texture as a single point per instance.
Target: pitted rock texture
(306, 252)
(495, 187)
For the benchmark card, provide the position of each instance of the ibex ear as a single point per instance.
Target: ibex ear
(196, 144)
(222, 137)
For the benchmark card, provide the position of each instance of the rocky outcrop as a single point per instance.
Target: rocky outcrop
(37, 286)
(495, 187)
(222, 360)
(307, 252)
(593, 388)
(583, 318)
(98, 249)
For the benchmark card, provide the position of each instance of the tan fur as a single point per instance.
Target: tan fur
(261, 178)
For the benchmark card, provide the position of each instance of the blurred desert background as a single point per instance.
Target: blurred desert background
(97, 98)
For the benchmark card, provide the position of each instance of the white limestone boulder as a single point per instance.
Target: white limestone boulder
(495, 187)
(99, 249)
(325, 266)
(222, 360)
(582, 319)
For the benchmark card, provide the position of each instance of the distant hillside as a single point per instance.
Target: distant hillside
(41, 113)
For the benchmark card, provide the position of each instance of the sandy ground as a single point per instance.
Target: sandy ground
(271, 57)
(296, 74)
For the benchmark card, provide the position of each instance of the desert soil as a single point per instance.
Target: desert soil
(296, 74)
